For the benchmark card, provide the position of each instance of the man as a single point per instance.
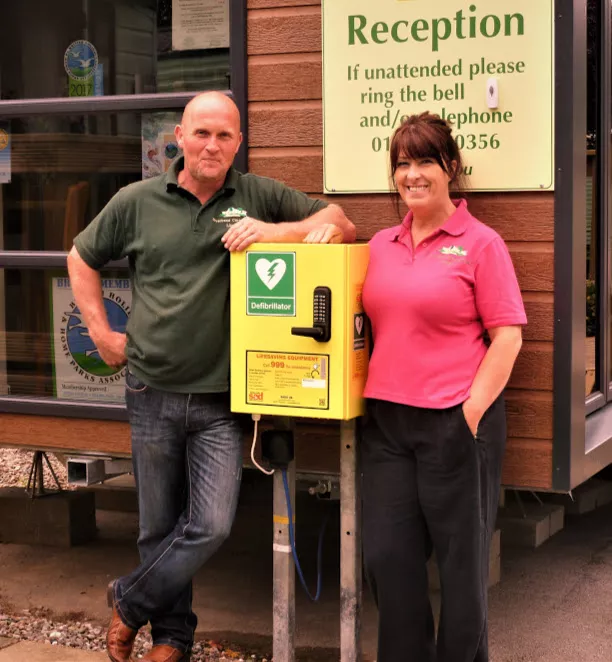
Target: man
(177, 230)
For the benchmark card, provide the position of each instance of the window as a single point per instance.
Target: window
(593, 338)
(65, 168)
(598, 354)
(75, 48)
(90, 93)
(45, 352)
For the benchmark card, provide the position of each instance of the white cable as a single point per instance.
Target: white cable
(268, 472)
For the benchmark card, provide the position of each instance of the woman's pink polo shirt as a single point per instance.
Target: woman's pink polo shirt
(429, 308)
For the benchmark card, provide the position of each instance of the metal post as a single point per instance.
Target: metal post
(350, 545)
(40, 477)
(284, 571)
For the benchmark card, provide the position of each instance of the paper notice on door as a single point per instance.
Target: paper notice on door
(200, 24)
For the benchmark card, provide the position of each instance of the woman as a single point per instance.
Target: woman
(434, 436)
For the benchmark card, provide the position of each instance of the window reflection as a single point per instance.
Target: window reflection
(64, 169)
(61, 48)
(592, 341)
(45, 350)
(591, 347)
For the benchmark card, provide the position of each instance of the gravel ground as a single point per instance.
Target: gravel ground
(36, 625)
(15, 469)
(73, 630)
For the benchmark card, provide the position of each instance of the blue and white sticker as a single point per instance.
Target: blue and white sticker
(81, 60)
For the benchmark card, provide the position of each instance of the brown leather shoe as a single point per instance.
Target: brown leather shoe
(165, 653)
(120, 637)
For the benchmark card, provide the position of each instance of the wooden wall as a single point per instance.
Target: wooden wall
(285, 142)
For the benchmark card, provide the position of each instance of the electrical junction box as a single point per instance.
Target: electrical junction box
(299, 345)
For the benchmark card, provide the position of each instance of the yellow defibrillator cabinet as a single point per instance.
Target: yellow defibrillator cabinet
(298, 339)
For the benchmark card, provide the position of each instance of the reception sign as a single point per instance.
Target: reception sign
(486, 67)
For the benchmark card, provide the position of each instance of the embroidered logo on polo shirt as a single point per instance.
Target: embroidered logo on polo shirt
(459, 251)
(231, 216)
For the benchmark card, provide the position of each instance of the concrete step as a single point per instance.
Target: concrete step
(529, 525)
(117, 493)
(64, 519)
(592, 494)
(30, 651)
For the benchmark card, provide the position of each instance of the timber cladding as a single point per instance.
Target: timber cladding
(286, 142)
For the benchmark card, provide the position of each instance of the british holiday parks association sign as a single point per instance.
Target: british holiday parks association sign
(80, 372)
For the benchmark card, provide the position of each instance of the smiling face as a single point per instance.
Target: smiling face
(421, 183)
(425, 162)
(209, 136)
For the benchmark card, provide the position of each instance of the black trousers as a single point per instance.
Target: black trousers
(429, 483)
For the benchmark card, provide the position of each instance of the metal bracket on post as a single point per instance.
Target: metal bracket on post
(89, 470)
(283, 642)
(350, 545)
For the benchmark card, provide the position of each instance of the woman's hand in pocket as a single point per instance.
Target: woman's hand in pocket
(473, 414)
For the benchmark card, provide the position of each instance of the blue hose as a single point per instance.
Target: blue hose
(294, 551)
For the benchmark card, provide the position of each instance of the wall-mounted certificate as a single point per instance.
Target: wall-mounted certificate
(200, 24)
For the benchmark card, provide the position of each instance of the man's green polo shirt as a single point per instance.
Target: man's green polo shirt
(179, 326)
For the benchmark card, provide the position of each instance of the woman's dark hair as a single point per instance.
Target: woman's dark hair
(428, 136)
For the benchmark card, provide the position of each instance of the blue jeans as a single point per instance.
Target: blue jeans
(187, 455)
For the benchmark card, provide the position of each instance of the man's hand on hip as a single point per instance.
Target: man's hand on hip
(111, 347)
(248, 231)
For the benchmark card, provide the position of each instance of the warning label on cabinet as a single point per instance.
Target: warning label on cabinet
(359, 356)
(287, 380)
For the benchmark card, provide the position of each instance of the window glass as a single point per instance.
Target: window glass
(592, 347)
(62, 170)
(609, 283)
(45, 349)
(62, 48)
